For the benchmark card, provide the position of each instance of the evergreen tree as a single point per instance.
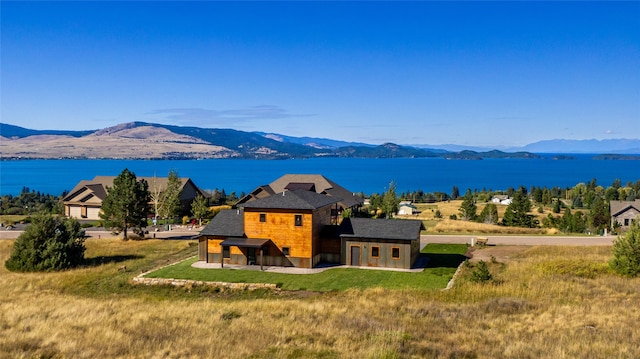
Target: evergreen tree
(455, 192)
(126, 204)
(626, 252)
(48, 244)
(468, 209)
(390, 201)
(170, 197)
(199, 208)
(599, 217)
(489, 214)
(517, 213)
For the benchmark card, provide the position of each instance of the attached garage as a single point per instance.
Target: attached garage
(385, 243)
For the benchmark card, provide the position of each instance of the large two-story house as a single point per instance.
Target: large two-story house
(298, 227)
(85, 199)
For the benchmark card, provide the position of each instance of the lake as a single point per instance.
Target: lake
(355, 174)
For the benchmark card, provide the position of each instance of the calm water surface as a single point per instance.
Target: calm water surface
(357, 175)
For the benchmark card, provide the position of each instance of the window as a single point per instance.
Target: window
(263, 217)
(285, 251)
(265, 251)
(626, 221)
(298, 220)
(395, 253)
(375, 252)
(226, 253)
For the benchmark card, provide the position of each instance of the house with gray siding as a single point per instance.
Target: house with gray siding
(624, 213)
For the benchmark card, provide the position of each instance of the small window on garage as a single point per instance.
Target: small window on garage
(285, 251)
(375, 251)
(226, 252)
(263, 217)
(395, 252)
(298, 220)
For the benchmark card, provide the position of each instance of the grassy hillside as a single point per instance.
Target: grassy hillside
(544, 303)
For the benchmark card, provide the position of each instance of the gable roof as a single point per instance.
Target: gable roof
(311, 182)
(228, 222)
(617, 207)
(297, 199)
(98, 185)
(381, 228)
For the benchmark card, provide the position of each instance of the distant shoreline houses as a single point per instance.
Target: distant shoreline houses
(295, 222)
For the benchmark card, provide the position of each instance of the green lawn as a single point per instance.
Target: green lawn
(442, 264)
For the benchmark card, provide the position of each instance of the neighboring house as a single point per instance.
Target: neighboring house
(624, 213)
(296, 227)
(406, 208)
(501, 199)
(85, 199)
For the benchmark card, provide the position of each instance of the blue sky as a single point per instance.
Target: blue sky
(468, 73)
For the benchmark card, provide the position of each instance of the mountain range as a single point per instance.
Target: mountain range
(140, 140)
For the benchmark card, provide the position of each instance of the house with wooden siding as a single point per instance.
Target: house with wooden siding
(85, 199)
(298, 227)
(624, 213)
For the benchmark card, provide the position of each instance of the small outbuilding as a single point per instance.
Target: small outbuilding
(390, 243)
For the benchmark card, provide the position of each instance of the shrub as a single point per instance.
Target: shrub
(481, 274)
(626, 252)
(48, 244)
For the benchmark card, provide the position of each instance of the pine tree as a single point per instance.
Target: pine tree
(517, 213)
(626, 252)
(468, 209)
(489, 214)
(48, 244)
(390, 201)
(126, 204)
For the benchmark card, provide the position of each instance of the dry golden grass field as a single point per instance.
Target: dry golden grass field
(544, 302)
(445, 225)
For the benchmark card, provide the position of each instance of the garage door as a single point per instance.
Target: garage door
(74, 212)
(93, 213)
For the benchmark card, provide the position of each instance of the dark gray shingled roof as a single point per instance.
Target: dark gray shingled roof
(320, 183)
(298, 199)
(381, 228)
(228, 222)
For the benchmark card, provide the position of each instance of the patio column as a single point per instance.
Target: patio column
(261, 258)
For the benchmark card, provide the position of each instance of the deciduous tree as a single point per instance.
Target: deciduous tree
(199, 208)
(170, 197)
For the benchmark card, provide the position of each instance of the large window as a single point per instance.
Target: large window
(298, 220)
(263, 217)
(395, 252)
(375, 251)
